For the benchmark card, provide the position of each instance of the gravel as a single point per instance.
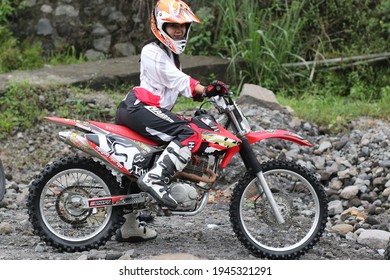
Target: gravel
(353, 167)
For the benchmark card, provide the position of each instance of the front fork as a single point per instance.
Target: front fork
(252, 163)
(263, 186)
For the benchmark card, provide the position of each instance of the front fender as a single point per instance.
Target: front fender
(257, 136)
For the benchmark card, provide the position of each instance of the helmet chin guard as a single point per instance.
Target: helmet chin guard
(172, 11)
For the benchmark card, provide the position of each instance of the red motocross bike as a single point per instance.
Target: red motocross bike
(278, 209)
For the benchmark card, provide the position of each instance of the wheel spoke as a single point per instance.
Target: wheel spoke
(301, 202)
(57, 204)
(62, 206)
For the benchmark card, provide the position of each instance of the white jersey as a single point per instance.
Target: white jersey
(161, 81)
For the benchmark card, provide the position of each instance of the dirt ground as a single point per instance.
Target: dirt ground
(205, 236)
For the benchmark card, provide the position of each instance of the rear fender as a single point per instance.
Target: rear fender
(81, 125)
(104, 128)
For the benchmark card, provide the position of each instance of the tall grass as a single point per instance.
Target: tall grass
(259, 41)
(68, 56)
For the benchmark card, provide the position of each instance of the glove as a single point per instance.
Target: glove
(215, 88)
(198, 97)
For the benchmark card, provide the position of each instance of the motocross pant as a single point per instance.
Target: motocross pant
(157, 124)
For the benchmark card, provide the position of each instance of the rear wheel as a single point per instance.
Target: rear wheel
(301, 201)
(56, 209)
(387, 252)
(2, 181)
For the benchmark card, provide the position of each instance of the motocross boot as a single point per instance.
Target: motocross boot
(133, 230)
(156, 181)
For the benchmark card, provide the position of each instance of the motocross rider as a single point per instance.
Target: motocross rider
(146, 109)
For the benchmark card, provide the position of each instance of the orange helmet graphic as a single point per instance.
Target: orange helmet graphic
(172, 11)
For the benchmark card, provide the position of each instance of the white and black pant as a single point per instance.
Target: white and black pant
(158, 124)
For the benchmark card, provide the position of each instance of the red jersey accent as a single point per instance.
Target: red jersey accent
(147, 97)
(193, 84)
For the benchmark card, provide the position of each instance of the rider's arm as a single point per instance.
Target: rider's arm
(199, 89)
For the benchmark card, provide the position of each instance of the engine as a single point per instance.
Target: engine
(197, 172)
(185, 195)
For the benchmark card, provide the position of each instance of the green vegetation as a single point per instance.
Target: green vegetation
(13, 54)
(261, 39)
(26, 55)
(334, 111)
(24, 105)
(262, 48)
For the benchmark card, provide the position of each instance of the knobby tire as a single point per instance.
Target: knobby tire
(52, 226)
(260, 224)
(2, 181)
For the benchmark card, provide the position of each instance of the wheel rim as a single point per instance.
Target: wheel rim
(298, 204)
(62, 209)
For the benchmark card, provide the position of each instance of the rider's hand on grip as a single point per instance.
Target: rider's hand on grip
(215, 88)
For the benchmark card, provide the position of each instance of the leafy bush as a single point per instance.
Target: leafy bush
(19, 107)
(348, 27)
(15, 56)
(26, 55)
(201, 40)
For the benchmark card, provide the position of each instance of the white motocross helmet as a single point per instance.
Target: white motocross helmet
(172, 11)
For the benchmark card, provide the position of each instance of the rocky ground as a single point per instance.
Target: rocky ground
(353, 167)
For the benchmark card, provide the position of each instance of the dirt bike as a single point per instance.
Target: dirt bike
(2, 181)
(278, 209)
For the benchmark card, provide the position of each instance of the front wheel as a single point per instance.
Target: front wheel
(301, 201)
(56, 209)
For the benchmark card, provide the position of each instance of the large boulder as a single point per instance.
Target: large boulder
(261, 96)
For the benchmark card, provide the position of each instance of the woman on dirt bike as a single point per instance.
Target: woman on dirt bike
(147, 109)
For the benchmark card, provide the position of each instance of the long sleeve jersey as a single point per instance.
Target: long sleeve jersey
(161, 81)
